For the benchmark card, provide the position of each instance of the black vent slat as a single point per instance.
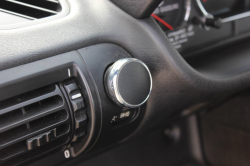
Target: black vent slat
(23, 100)
(9, 122)
(8, 136)
(31, 115)
(19, 148)
(25, 11)
(39, 125)
(27, 96)
(44, 4)
(52, 145)
(13, 150)
(15, 114)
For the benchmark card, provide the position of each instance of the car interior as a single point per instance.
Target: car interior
(125, 82)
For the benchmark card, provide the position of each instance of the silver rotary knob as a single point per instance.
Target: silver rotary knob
(128, 82)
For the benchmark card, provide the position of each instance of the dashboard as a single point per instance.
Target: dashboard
(81, 78)
(194, 26)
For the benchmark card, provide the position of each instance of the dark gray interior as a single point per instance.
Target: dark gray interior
(197, 112)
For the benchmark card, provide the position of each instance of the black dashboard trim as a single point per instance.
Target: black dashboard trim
(176, 84)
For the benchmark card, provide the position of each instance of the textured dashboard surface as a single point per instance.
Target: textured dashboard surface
(176, 85)
(138, 9)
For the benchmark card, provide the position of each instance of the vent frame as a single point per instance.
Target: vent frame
(52, 70)
(65, 10)
(36, 123)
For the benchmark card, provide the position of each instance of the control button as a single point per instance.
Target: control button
(71, 86)
(77, 103)
(79, 109)
(123, 116)
(80, 123)
(40, 139)
(76, 96)
(128, 82)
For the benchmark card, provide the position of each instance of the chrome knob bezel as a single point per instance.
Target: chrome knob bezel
(111, 82)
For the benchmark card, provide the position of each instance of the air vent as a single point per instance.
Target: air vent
(31, 9)
(33, 123)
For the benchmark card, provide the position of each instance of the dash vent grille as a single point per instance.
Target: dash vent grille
(31, 9)
(30, 115)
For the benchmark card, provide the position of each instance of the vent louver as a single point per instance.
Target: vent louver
(33, 123)
(31, 9)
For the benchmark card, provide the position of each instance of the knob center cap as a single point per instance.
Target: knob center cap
(128, 82)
